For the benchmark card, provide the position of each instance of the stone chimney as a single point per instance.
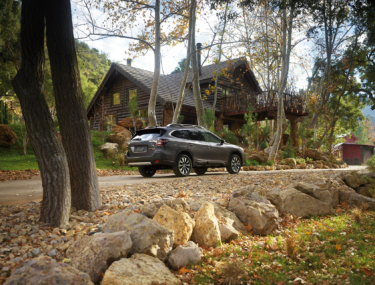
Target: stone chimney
(199, 49)
(129, 62)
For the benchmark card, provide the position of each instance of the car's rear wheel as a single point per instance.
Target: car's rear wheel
(200, 170)
(183, 166)
(234, 164)
(147, 171)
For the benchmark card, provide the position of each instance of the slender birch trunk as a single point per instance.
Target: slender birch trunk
(155, 83)
(194, 61)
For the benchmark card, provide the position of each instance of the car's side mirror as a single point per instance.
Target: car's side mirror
(222, 142)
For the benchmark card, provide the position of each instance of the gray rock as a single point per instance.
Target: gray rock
(176, 204)
(184, 255)
(314, 191)
(93, 254)
(7, 238)
(354, 179)
(36, 252)
(148, 236)
(139, 269)
(356, 200)
(365, 190)
(45, 270)
(52, 253)
(227, 231)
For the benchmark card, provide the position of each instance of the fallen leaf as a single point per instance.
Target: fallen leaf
(248, 227)
(338, 246)
(184, 270)
(366, 271)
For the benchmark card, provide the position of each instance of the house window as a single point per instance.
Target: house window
(108, 122)
(225, 92)
(116, 99)
(133, 95)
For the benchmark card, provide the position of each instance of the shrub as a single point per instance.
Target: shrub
(233, 271)
(264, 145)
(309, 160)
(371, 164)
(229, 137)
(357, 215)
(246, 142)
(300, 160)
(251, 162)
(111, 153)
(289, 153)
(121, 159)
(291, 246)
(264, 164)
(270, 162)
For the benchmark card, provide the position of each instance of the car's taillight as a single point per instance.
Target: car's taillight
(161, 141)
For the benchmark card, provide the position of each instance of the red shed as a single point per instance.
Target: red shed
(355, 154)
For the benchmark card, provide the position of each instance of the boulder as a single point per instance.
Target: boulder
(181, 224)
(93, 254)
(148, 236)
(180, 205)
(227, 231)
(315, 191)
(129, 122)
(365, 190)
(259, 157)
(206, 231)
(105, 148)
(45, 270)
(139, 269)
(7, 137)
(354, 179)
(289, 161)
(221, 213)
(255, 210)
(356, 200)
(121, 138)
(313, 153)
(346, 188)
(117, 129)
(184, 255)
(267, 150)
(302, 205)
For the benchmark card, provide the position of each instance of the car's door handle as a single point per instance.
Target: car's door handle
(190, 144)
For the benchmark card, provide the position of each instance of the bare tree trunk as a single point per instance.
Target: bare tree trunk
(287, 46)
(180, 99)
(194, 60)
(218, 69)
(70, 108)
(28, 84)
(155, 83)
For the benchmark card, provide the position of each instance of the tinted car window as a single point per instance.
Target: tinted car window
(181, 135)
(210, 137)
(196, 136)
(145, 137)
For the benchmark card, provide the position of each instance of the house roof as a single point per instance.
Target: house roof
(169, 85)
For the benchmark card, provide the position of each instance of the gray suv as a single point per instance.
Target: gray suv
(182, 147)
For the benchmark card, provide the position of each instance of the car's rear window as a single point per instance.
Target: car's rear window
(148, 134)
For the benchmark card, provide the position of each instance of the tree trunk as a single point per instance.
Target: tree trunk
(194, 61)
(155, 83)
(70, 108)
(287, 46)
(217, 69)
(180, 99)
(28, 85)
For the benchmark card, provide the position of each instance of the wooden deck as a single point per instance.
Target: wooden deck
(263, 103)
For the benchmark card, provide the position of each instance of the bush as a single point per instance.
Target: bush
(111, 153)
(264, 145)
(270, 162)
(246, 142)
(229, 137)
(371, 164)
(289, 153)
(309, 160)
(300, 160)
(251, 162)
(121, 159)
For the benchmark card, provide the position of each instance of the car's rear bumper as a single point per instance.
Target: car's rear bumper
(158, 158)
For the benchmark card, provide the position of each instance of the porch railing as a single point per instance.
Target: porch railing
(261, 101)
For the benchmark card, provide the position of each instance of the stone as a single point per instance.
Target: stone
(121, 138)
(105, 148)
(181, 224)
(313, 153)
(148, 236)
(289, 161)
(257, 211)
(129, 123)
(93, 254)
(365, 190)
(354, 180)
(139, 269)
(176, 204)
(7, 137)
(267, 150)
(302, 205)
(184, 255)
(315, 191)
(259, 157)
(346, 188)
(52, 253)
(206, 231)
(220, 213)
(45, 270)
(227, 231)
(36, 252)
(356, 200)
(335, 195)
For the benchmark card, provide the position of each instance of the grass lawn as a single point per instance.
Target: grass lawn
(13, 159)
(325, 250)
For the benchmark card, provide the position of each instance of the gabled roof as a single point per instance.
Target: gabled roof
(169, 85)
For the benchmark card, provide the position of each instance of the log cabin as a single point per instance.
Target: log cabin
(237, 88)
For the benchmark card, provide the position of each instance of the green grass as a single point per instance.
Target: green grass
(331, 250)
(13, 159)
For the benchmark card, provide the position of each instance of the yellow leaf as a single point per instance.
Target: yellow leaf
(338, 246)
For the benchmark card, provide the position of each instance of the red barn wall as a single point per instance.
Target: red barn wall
(351, 151)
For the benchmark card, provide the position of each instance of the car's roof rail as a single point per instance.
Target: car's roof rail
(184, 125)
